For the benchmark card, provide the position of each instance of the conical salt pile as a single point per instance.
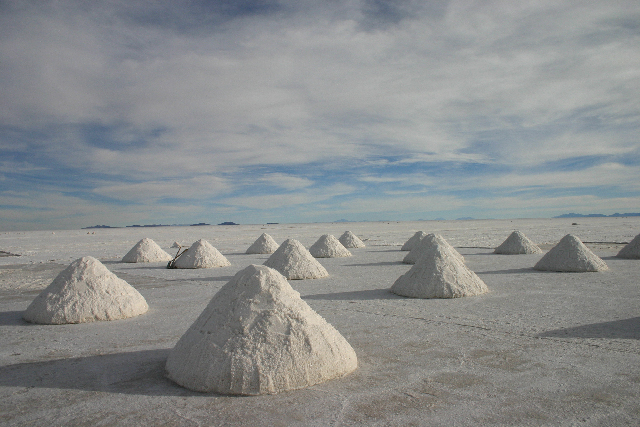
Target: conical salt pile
(294, 261)
(328, 246)
(257, 336)
(427, 245)
(86, 291)
(516, 244)
(350, 240)
(201, 255)
(571, 255)
(146, 250)
(631, 250)
(413, 241)
(263, 245)
(438, 274)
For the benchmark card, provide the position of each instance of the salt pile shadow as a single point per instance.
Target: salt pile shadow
(13, 318)
(370, 294)
(622, 329)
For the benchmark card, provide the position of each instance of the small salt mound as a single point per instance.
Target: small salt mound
(350, 240)
(146, 250)
(201, 255)
(516, 244)
(328, 246)
(413, 241)
(439, 274)
(86, 291)
(257, 336)
(571, 255)
(263, 245)
(295, 262)
(176, 245)
(631, 250)
(427, 245)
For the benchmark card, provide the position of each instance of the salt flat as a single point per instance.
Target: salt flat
(540, 348)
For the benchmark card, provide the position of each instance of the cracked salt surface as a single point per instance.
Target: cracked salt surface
(541, 348)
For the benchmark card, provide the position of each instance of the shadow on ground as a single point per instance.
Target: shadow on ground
(624, 329)
(370, 294)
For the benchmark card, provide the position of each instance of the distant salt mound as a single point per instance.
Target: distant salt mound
(631, 250)
(516, 244)
(350, 240)
(328, 246)
(146, 250)
(439, 274)
(263, 245)
(428, 244)
(257, 336)
(201, 255)
(570, 255)
(413, 241)
(176, 245)
(295, 262)
(86, 291)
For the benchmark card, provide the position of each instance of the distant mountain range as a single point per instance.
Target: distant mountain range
(576, 215)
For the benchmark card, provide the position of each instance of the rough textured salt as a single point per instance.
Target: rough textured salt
(413, 241)
(295, 262)
(202, 255)
(438, 274)
(257, 336)
(350, 240)
(631, 250)
(263, 245)
(427, 245)
(86, 291)
(571, 255)
(327, 246)
(516, 244)
(146, 250)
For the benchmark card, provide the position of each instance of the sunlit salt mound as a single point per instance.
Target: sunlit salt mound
(631, 250)
(570, 255)
(413, 241)
(350, 240)
(263, 245)
(328, 246)
(146, 250)
(516, 244)
(294, 261)
(257, 336)
(201, 255)
(86, 291)
(427, 245)
(439, 274)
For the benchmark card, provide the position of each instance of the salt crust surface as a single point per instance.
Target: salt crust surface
(413, 241)
(439, 274)
(327, 246)
(295, 262)
(257, 336)
(427, 245)
(631, 250)
(86, 291)
(146, 250)
(571, 255)
(202, 255)
(264, 244)
(517, 244)
(350, 240)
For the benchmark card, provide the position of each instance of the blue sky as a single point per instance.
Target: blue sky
(301, 111)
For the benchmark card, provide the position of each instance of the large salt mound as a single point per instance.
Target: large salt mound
(328, 246)
(201, 255)
(413, 241)
(631, 250)
(350, 240)
(86, 291)
(438, 274)
(516, 244)
(263, 245)
(570, 255)
(257, 336)
(294, 261)
(427, 245)
(146, 250)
